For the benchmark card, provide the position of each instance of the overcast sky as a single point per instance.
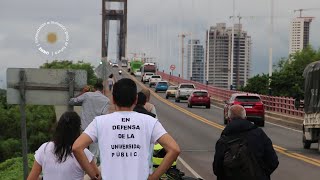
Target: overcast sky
(147, 20)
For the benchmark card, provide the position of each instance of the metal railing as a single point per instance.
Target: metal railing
(282, 105)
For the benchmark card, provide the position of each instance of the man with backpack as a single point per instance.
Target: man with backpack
(244, 151)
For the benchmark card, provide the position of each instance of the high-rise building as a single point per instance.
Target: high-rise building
(197, 61)
(220, 41)
(299, 34)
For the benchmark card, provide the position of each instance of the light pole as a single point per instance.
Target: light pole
(271, 38)
(232, 46)
(208, 49)
(191, 56)
(192, 45)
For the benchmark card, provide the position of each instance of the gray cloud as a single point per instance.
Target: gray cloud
(20, 20)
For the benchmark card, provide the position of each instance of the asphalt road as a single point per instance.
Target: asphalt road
(197, 129)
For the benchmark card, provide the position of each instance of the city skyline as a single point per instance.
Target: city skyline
(83, 22)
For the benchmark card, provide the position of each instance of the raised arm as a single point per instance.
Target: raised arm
(77, 101)
(78, 150)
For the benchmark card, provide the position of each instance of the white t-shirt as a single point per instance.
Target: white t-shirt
(52, 170)
(125, 141)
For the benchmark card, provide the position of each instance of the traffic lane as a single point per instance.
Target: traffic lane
(286, 138)
(184, 130)
(293, 169)
(196, 139)
(201, 160)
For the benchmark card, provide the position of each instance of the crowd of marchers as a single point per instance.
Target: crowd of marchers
(81, 144)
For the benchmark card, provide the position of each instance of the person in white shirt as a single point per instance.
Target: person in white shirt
(125, 140)
(110, 82)
(55, 158)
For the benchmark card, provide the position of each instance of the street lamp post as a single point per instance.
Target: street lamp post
(271, 38)
(232, 47)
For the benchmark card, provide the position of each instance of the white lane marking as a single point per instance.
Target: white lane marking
(189, 168)
(269, 122)
(283, 126)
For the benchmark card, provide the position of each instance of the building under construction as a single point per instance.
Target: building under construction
(220, 42)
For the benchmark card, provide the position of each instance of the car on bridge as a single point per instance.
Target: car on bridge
(171, 92)
(137, 72)
(253, 105)
(161, 86)
(199, 98)
(184, 91)
(154, 79)
(146, 76)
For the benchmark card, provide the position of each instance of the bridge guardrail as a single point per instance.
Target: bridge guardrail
(283, 105)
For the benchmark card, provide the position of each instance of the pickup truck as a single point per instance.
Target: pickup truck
(184, 91)
(154, 79)
(146, 77)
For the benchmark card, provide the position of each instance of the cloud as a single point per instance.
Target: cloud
(153, 27)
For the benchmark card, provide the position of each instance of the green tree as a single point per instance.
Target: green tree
(66, 64)
(257, 84)
(287, 79)
(12, 169)
(40, 119)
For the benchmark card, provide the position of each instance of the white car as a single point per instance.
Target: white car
(146, 77)
(154, 79)
(115, 65)
(184, 91)
(137, 73)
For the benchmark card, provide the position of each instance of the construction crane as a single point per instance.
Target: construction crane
(307, 9)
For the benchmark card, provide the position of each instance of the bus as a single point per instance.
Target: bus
(135, 65)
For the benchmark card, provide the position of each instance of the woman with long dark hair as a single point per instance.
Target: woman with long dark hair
(55, 158)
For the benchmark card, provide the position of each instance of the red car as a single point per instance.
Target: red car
(252, 104)
(199, 98)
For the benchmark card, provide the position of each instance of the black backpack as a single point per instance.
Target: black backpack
(239, 162)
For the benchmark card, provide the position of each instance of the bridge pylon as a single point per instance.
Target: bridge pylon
(108, 15)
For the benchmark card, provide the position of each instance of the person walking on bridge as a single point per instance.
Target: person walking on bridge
(125, 140)
(244, 151)
(142, 99)
(55, 159)
(110, 82)
(93, 104)
(148, 106)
